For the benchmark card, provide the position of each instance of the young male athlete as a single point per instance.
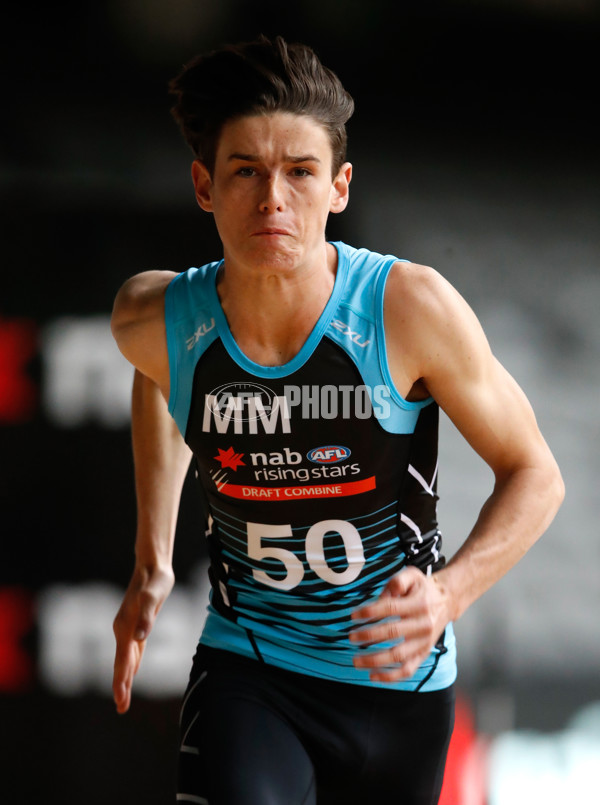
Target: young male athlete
(305, 377)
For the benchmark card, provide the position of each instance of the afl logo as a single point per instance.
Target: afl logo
(328, 454)
(245, 401)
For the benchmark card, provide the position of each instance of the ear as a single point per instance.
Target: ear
(340, 189)
(202, 185)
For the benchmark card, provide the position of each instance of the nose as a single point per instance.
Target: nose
(272, 199)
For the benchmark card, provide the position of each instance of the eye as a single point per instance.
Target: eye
(301, 172)
(246, 171)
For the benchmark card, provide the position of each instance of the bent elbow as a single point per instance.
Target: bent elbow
(553, 488)
(558, 487)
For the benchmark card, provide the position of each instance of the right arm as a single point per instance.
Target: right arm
(161, 461)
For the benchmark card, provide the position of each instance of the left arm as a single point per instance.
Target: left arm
(451, 358)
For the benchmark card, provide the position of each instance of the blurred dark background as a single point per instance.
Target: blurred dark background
(475, 147)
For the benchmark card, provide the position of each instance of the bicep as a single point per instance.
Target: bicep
(479, 395)
(495, 417)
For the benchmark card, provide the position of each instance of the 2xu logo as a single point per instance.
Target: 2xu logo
(329, 454)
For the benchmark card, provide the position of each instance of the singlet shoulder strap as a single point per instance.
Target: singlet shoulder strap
(358, 327)
(190, 322)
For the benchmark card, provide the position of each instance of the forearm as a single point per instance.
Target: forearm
(520, 509)
(161, 460)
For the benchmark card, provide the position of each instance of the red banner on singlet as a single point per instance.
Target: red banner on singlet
(298, 492)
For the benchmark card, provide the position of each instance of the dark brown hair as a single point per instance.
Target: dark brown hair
(252, 78)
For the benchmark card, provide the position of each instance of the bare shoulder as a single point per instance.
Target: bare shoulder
(414, 289)
(137, 323)
(140, 296)
(423, 310)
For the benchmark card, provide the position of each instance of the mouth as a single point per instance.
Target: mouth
(271, 231)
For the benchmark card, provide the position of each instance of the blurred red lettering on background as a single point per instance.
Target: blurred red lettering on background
(16, 621)
(18, 393)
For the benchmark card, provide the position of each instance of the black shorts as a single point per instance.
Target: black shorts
(253, 734)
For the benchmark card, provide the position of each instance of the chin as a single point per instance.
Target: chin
(276, 258)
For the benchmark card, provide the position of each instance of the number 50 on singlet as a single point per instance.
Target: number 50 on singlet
(261, 537)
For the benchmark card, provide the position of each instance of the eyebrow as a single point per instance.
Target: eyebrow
(287, 158)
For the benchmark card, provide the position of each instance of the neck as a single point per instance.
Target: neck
(271, 312)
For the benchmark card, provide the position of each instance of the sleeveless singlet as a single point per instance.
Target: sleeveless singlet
(319, 479)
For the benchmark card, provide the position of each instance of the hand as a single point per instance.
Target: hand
(416, 611)
(146, 593)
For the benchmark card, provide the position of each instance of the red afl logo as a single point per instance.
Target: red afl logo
(328, 454)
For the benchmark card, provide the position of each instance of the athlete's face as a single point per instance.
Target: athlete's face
(272, 190)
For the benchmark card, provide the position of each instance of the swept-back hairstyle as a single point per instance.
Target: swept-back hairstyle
(254, 78)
